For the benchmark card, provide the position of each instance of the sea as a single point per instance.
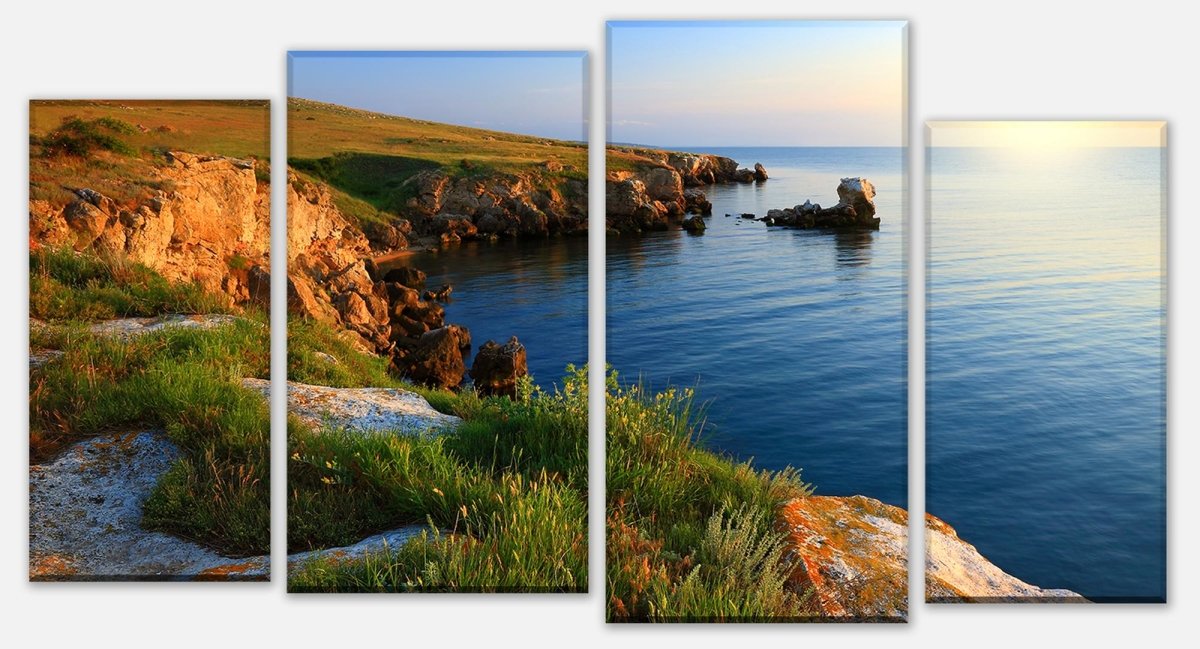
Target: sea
(794, 340)
(1045, 443)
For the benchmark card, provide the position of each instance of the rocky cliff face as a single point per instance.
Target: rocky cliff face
(211, 227)
(665, 187)
(852, 552)
(534, 204)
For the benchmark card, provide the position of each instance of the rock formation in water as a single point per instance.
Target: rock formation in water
(855, 209)
(210, 223)
(663, 187)
(852, 553)
(497, 368)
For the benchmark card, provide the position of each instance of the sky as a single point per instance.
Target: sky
(1047, 134)
(776, 83)
(533, 93)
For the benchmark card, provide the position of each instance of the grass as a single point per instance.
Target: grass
(691, 534)
(114, 147)
(368, 157)
(69, 286)
(184, 381)
(504, 495)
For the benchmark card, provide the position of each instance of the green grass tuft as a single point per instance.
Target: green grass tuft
(66, 285)
(508, 487)
(690, 533)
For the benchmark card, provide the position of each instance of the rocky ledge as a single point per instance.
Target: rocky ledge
(664, 188)
(210, 224)
(361, 410)
(333, 278)
(852, 552)
(855, 209)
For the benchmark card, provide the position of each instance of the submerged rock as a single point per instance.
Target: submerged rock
(694, 224)
(498, 367)
(361, 410)
(853, 553)
(85, 512)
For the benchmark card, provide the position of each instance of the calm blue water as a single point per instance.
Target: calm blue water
(536, 290)
(1045, 440)
(796, 338)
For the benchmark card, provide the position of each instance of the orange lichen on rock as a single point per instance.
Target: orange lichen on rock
(249, 570)
(852, 553)
(51, 567)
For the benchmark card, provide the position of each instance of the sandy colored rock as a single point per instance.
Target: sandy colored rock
(85, 511)
(853, 553)
(956, 572)
(361, 410)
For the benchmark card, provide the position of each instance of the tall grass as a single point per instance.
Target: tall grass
(691, 533)
(505, 496)
(67, 285)
(184, 381)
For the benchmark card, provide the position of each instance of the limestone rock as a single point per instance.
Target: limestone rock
(853, 553)
(126, 328)
(85, 511)
(389, 541)
(361, 410)
(956, 572)
(855, 210)
(497, 368)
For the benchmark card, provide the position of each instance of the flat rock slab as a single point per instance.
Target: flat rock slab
(361, 410)
(126, 328)
(853, 552)
(956, 572)
(379, 543)
(85, 511)
(39, 357)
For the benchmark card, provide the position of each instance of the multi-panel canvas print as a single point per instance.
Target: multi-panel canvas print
(149, 345)
(756, 322)
(437, 321)
(1046, 366)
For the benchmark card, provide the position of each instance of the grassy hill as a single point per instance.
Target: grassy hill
(366, 157)
(113, 145)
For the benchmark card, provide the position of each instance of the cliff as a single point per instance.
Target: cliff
(209, 223)
(852, 552)
(649, 189)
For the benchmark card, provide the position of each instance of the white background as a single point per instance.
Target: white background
(1011, 59)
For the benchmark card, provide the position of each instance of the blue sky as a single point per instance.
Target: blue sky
(535, 93)
(766, 83)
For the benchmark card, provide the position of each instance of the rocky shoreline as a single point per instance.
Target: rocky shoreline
(665, 187)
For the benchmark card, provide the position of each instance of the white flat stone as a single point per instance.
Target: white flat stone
(361, 410)
(85, 512)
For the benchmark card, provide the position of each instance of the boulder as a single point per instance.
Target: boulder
(437, 358)
(694, 224)
(406, 276)
(760, 172)
(858, 193)
(696, 201)
(497, 368)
